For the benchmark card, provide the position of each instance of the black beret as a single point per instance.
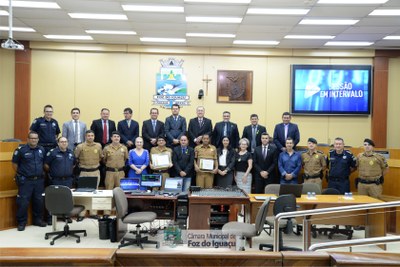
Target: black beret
(312, 140)
(369, 141)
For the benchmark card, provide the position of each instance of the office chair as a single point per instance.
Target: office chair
(284, 203)
(335, 229)
(60, 202)
(271, 189)
(248, 230)
(121, 204)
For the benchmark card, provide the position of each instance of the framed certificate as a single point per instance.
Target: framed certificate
(160, 161)
(206, 164)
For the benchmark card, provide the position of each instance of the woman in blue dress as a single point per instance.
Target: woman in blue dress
(138, 159)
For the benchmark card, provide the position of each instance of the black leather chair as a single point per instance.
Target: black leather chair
(335, 229)
(60, 202)
(121, 204)
(284, 203)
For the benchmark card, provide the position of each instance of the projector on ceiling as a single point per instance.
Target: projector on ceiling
(12, 44)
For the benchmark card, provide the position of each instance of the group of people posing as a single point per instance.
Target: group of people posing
(211, 156)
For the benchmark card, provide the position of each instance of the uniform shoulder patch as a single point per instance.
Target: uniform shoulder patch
(320, 152)
(348, 152)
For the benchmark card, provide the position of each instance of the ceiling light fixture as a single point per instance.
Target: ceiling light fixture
(143, 8)
(352, 2)
(68, 37)
(309, 37)
(219, 1)
(212, 35)
(385, 12)
(110, 32)
(277, 11)
(328, 21)
(17, 29)
(255, 42)
(98, 16)
(162, 40)
(31, 4)
(3, 13)
(348, 43)
(392, 37)
(214, 19)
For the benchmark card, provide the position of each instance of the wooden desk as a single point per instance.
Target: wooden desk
(164, 206)
(374, 220)
(200, 209)
(101, 200)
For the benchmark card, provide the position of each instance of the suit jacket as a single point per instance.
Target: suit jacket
(279, 135)
(183, 161)
(230, 159)
(68, 131)
(97, 128)
(148, 133)
(248, 133)
(174, 129)
(218, 134)
(128, 133)
(196, 130)
(268, 164)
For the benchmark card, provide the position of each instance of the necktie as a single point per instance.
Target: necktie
(129, 123)
(264, 151)
(154, 126)
(105, 132)
(200, 122)
(286, 130)
(226, 129)
(76, 132)
(253, 138)
(183, 150)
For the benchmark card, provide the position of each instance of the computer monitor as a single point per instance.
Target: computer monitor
(173, 185)
(151, 180)
(131, 184)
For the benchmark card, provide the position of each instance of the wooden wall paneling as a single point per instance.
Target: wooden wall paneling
(22, 100)
(291, 258)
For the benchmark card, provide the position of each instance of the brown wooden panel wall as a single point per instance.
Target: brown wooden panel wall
(22, 100)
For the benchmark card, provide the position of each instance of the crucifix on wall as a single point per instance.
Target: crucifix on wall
(207, 80)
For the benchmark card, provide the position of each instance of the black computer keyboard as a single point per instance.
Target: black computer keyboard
(143, 193)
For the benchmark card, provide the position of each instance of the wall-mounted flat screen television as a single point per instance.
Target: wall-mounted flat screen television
(331, 89)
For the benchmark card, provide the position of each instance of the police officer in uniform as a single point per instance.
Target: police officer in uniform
(205, 178)
(89, 155)
(341, 163)
(371, 169)
(28, 163)
(47, 128)
(314, 163)
(115, 156)
(59, 163)
(161, 149)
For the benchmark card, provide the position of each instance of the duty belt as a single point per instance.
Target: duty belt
(160, 171)
(33, 177)
(306, 176)
(376, 181)
(61, 177)
(114, 169)
(89, 170)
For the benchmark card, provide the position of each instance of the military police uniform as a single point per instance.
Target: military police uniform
(61, 165)
(205, 179)
(47, 131)
(30, 183)
(163, 171)
(313, 163)
(114, 158)
(370, 179)
(340, 166)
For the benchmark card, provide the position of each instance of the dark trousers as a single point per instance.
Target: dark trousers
(260, 184)
(343, 185)
(28, 189)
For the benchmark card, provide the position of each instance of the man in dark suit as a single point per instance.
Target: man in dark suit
(199, 126)
(175, 126)
(265, 158)
(284, 130)
(98, 127)
(151, 129)
(225, 128)
(128, 129)
(253, 133)
(183, 160)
